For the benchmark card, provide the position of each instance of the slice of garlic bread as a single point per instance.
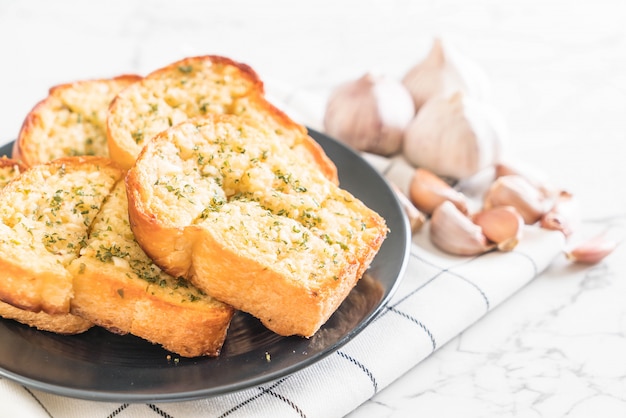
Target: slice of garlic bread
(70, 121)
(45, 216)
(193, 87)
(59, 323)
(226, 202)
(118, 287)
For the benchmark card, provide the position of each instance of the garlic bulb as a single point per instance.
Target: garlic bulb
(454, 137)
(370, 114)
(455, 233)
(443, 72)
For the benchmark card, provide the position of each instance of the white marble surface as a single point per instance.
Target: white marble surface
(558, 73)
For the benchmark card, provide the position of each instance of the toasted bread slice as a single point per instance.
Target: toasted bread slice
(227, 203)
(64, 323)
(45, 214)
(194, 87)
(70, 121)
(67, 237)
(118, 287)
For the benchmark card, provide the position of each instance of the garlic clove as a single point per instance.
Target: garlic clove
(427, 191)
(416, 218)
(454, 137)
(532, 175)
(443, 72)
(370, 114)
(593, 250)
(453, 232)
(502, 225)
(564, 215)
(516, 191)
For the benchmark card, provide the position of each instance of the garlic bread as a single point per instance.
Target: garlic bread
(193, 87)
(45, 215)
(64, 323)
(226, 202)
(70, 121)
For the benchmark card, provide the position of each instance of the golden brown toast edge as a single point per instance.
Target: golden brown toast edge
(25, 148)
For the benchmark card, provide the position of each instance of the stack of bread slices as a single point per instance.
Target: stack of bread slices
(160, 205)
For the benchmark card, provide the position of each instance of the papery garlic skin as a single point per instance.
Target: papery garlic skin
(370, 114)
(443, 72)
(564, 215)
(453, 232)
(426, 79)
(454, 137)
(531, 174)
(413, 214)
(396, 169)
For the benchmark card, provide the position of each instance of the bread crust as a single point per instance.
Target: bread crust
(70, 121)
(193, 87)
(67, 324)
(10, 168)
(125, 293)
(224, 255)
(123, 306)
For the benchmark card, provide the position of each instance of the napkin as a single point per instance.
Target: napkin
(438, 297)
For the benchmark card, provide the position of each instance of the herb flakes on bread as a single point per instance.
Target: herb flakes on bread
(69, 260)
(70, 121)
(64, 323)
(117, 286)
(45, 216)
(226, 202)
(194, 87)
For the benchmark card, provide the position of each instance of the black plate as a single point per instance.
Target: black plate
(99, 365)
